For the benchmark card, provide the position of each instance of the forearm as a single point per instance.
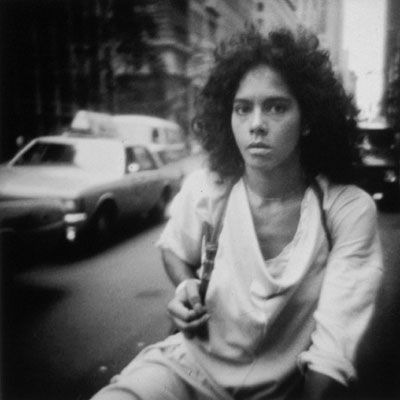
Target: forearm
(176, 269)
(318, 386)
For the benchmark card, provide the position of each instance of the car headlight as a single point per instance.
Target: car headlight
(72, 205)
(390, 176)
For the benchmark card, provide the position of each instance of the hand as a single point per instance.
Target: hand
(186, 310)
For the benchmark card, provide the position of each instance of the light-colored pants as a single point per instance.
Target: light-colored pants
(164, 371)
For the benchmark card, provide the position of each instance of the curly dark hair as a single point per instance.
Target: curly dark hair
(326, 110)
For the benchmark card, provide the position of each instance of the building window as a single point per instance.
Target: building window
(260, 6)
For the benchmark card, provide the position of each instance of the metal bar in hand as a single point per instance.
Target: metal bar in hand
(208, 265)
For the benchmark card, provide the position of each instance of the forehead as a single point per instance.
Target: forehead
(263, 80)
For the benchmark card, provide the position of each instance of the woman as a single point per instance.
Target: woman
(284, 311)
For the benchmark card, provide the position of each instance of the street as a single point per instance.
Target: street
(73, 322)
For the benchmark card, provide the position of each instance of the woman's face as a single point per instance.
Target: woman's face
(266, 121)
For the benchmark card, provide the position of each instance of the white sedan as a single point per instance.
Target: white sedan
(98, 181)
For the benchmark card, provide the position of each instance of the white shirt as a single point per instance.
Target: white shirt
(304, 308)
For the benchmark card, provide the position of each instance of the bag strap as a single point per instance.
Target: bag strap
(211, 243)
(320, 196)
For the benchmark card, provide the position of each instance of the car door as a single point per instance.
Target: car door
(145, 179)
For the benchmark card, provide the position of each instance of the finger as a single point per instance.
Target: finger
(179, 310)
(197, 323)
(190, 297)
(193, 296)
(192, 326)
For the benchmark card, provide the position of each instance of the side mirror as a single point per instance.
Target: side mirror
(133, 167)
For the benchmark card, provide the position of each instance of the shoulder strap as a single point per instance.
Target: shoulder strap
(320, 196)
(220, 217)
(211, 243)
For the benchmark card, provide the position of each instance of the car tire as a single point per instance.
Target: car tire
(103, 225)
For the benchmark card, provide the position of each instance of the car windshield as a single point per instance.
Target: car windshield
(381, 139)
(93, 156)
(376, 147)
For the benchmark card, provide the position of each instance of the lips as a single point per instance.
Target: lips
(259, 145)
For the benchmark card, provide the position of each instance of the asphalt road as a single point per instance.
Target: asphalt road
(73, 322)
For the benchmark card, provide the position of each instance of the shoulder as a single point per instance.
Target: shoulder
(345, 197)
(203, 184)
(202, 191)
(349, 209)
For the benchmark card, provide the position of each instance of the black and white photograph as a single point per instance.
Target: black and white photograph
(200, 199)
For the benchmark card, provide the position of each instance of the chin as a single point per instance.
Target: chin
(261, 165)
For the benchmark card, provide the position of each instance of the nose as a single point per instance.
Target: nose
(258, 124)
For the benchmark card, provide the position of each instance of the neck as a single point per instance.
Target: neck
(275, 186)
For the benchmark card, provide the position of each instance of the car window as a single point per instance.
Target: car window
(47, 153)
(380, 139)
(90, 155)
(163, 156)
(376, 147)
(144, 159)
(155, 135)
(130, 159)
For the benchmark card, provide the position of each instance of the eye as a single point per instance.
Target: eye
(277, 108)
(241, 108)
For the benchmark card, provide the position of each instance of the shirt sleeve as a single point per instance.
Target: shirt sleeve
(188, 211)
(347, 298)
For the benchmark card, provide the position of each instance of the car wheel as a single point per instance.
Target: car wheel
(103, 225)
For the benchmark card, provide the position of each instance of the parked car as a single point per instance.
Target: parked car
(377, 163)
(97, 181)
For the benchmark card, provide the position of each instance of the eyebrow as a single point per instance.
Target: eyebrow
(267, 99)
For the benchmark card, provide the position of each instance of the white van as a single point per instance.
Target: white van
(165, 137)
(162, 136)
(94, 123)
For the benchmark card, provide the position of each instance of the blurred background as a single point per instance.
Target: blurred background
(79, 298)
(151, 57)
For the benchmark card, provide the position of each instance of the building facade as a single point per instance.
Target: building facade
(160, 91)
(116, 56)
(210, 21)
(391, 104)
(324, 18)
(55, 59)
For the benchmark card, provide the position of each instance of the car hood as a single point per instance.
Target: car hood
(39, 181)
